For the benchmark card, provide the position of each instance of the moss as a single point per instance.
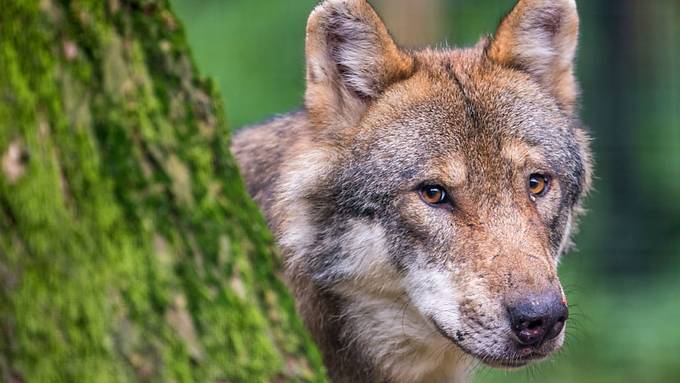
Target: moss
(129, 250)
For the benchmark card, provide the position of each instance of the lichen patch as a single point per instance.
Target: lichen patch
(14, 161)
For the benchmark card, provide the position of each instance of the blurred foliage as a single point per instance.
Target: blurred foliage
(253, 49)
(623, 278)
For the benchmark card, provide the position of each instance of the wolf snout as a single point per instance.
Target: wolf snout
(538, 319)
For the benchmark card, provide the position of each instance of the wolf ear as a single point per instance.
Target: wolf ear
(540, 38)
(351, 60)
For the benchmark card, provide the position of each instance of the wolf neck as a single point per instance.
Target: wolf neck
(381, 339)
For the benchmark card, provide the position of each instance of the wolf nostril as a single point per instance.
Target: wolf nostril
(538, 319)
(535, 324)
(529, 332)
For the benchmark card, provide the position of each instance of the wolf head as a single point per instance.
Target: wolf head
(439, 188)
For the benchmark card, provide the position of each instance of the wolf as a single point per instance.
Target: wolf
(422, 199)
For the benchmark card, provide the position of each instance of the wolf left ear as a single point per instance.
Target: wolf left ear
(540, 38)
(351, 60)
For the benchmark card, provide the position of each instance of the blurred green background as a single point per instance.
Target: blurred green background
(623, 279)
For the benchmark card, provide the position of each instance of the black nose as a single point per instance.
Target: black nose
(538, 319)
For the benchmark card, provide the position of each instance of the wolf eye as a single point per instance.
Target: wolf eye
(434, 195)
(538, 184)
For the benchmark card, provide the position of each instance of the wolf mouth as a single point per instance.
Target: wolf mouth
(507, 362)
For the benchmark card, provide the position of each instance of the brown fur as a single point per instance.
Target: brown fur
(394, 290)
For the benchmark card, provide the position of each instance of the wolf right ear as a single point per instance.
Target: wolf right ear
(351, 60)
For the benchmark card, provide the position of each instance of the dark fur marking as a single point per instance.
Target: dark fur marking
(469, 105)
(313, 77)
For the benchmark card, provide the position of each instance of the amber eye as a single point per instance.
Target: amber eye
(538, 184)
(434, 195)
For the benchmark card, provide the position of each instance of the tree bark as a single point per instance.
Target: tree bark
(129, 250)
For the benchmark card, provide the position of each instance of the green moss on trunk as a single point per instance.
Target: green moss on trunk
(129, 250)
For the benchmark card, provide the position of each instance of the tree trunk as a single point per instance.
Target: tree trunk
(129, 250)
